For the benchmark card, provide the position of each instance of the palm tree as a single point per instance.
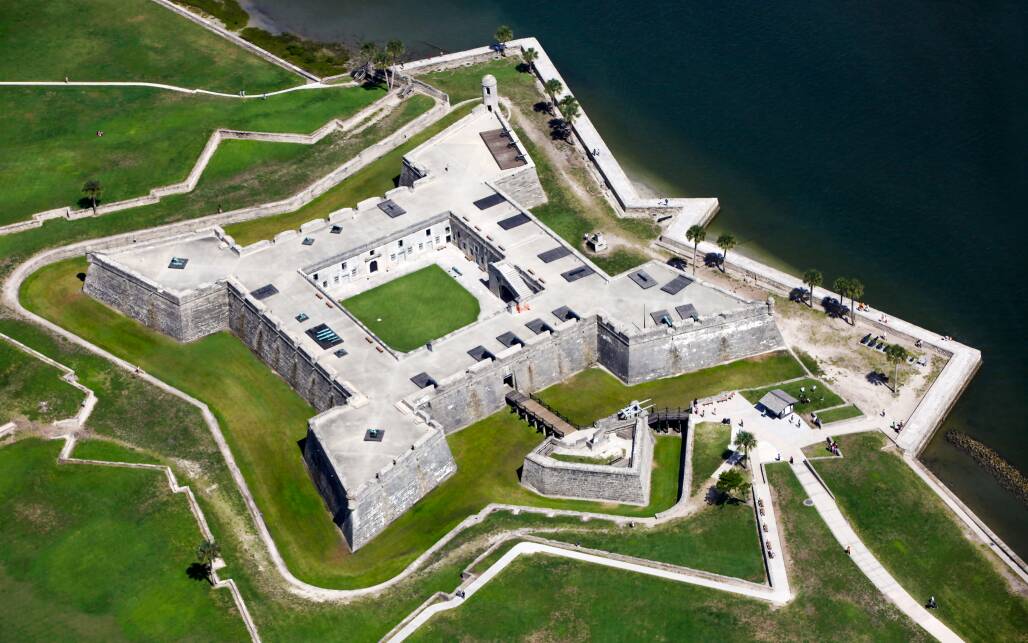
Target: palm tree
(897, 355)
(842, 286)
(856, 292)
(570, 111)
(92, 190)
(381, 61)
(726, 242)
(394, 51)
(745, 441)
(696, 234)
(812, 278)
(503, 35)
(368, 53)
(206, 554)
(530, 55)
(552, 87)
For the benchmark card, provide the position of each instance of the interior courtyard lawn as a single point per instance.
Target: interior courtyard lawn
(411, 310)
(709, 449)
(100, 553)
(126, 40)
(374, 179)
(563, 600)
(264, 421)
(595, 393)
(847, 412)
(917, 539)
(818, 394)
(151, 137)
(33, 390)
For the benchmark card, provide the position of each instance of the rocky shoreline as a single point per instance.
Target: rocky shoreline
(1008, 476)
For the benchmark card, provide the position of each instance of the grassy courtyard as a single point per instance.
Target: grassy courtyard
(375, 179)
(917, 539)
(33, 390)
(834, 601)
(595, 393)
(412, 310)
(818, 394)
(125, 40)
(847, 412)
(710, 444)
(100, 553)
(151, 138)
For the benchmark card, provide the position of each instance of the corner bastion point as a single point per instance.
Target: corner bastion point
(546, 314)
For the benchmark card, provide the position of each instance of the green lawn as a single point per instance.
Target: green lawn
(834, 601)
(151, 137)
(595, 393)
(373, 180)
(842, 413)
(917, 538)
(33, 390)
(412, 310)
(820, 397)
(108, 451)
(463, 83)
(100, 553)
(710, 444)
(125, 40)
(720, 538)
(586, 459)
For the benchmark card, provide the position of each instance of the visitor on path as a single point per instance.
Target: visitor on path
(931, 603)
(849, 550)
(791, 461)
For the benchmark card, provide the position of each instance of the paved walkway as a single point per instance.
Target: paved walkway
(173, 88)
(864, 559)
(534, 548)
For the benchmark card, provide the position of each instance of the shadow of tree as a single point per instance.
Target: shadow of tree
(197, 571)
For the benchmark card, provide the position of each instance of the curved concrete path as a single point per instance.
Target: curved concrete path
(173, 88)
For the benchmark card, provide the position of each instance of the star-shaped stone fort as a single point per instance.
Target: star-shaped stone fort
(546, 312)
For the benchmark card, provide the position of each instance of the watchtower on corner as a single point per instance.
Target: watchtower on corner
(489, 96)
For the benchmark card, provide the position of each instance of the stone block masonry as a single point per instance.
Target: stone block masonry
(185, 316)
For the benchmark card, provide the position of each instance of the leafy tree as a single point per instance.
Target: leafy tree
(503, 34)
(530, 55)
(368, 55)
(841, 285)
(731, 484)
(812, 278)
(897, 355)
(726, 242)
(552, 87)
(206, 554)
(570, 110)
(92, 189)
(746, 441)
(696, 234)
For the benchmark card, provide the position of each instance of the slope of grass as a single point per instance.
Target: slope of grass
(595, 393)
(710, 444)
(151, 137)
(100, 553)
(842, 413)
(916, 537)
(33, 390)
(414, 309)
(374, 179)
(559, 599)
(125, 40)
(108, 451)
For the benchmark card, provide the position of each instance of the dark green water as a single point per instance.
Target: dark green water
(882, 140)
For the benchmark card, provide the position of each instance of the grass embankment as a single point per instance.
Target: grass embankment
(595, 393)
(818, 394)
(412, 310)
(108, 451)
(837, 415)
(916, 537)
(33, 390)
(263, 420)
(151, 137)
(375, 179)
(566, 212)
(100, 553)
(709, 449)
(834, 601)
(587, 459)
(126, 40)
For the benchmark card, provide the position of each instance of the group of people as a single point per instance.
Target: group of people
(832, 446)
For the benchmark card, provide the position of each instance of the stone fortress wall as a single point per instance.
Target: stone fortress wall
(630, 485)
